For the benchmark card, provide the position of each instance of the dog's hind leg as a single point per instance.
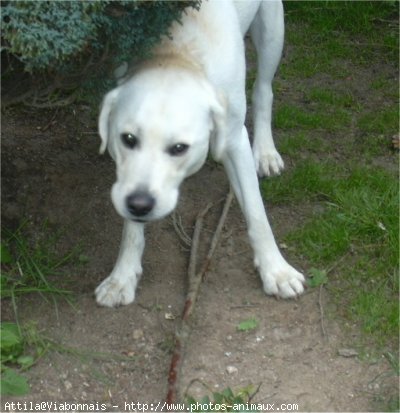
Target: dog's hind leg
(278, 277)
(119, 288)
(267, 32)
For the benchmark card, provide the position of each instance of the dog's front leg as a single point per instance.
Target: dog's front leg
(279, 278)
(119, 288)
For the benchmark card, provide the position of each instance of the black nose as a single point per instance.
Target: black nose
(140, 203)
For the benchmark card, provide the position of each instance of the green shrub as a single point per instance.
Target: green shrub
(47, 35)
(82, 39)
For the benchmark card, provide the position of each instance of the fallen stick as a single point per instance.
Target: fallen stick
(217, 233)
(195, 279)
(321, 312)
(182, 333)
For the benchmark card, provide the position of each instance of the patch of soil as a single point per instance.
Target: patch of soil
(51, 171)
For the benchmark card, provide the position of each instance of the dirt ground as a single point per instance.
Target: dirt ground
(51, 172)
(56, 175)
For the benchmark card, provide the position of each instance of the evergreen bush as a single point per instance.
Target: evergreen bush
(80, 39)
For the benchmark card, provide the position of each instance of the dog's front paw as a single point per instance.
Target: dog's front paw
(283, 281)
(268, 161)
(114, 291)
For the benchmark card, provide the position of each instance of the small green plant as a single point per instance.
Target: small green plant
(248, 325)
(225, 401)
(21, 348)
(12, 348)
(316, 278)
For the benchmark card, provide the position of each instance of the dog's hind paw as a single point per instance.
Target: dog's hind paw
(114, 291)
(267, 162)
(284, 282)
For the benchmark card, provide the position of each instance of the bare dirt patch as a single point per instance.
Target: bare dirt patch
(51, 172)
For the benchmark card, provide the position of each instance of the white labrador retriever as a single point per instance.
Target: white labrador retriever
(188, 97)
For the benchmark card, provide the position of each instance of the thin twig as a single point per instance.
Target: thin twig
(178, 226)
(195, 279)
(320, 304)
(321, 311)
(52, 121)
(217, 233)
(254, 394)
(182, 333)
(235, 307)
(196, 380)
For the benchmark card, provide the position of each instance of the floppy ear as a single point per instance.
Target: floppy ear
(218, 137)
(106, 108)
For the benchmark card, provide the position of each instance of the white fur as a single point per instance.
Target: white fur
(193, 92)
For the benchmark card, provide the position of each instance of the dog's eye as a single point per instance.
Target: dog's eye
(178, 149)
(129, 140)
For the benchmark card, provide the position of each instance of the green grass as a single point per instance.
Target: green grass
(23, 346)
(341, 30)
(352, 18)
(34, 265)
(27, 267)
(380, 121)
(345, 24)
(355, 232)
(334, 117)
(330, 97)
(292, 116)
(308, 181)
(335, 114)
(30, 267)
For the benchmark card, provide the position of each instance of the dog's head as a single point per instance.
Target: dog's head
(157, 127)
